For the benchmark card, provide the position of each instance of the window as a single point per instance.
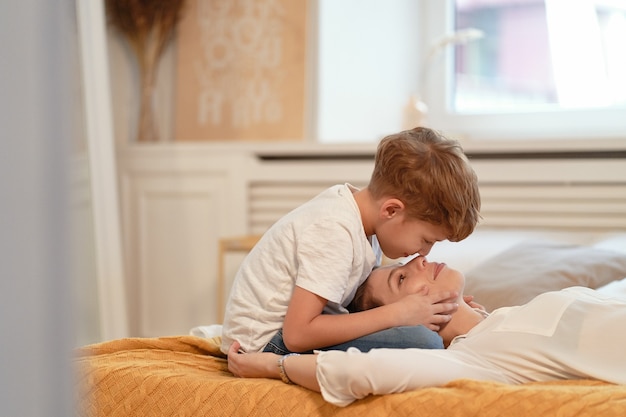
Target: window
(542, 69)
(531, 57)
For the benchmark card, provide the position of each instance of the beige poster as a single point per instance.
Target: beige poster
(241, 70)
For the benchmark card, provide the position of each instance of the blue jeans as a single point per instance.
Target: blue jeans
(395, 338)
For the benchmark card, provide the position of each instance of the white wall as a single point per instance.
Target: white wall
(368, 53)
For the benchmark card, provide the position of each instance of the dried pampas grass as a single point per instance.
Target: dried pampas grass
(148, 25)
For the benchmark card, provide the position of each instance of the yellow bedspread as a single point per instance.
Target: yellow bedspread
(188, 376)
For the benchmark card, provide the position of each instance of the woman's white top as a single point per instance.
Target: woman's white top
(575, 333)
(320, 246)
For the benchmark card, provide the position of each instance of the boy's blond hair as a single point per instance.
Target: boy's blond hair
(432, 176)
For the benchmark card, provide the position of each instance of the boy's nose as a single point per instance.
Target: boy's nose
(426, 249)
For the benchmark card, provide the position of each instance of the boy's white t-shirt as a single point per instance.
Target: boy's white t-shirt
(320, 246)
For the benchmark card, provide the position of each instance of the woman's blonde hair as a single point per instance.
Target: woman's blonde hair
(432, 176)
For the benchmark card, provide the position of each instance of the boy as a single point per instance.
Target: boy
(311, 261)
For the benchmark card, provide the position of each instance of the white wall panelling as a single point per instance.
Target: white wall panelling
(550, 193)
(176, 222)
(175, 210)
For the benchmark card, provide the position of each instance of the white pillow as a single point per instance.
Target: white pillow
(615, 289)
(208, 331)
(518, 274)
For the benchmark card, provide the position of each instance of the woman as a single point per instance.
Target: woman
(574, 333)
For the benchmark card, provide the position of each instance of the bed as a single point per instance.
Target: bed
(187, 375)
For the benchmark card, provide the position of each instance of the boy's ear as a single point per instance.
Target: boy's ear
(391, 208)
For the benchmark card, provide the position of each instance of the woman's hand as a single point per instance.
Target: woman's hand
(252, 365)
(301, 369)
(469, 299)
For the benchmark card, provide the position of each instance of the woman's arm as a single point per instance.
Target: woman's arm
(299, 369)
(343, 377)
(306, 328)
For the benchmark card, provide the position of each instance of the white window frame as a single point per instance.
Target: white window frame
(593, 129)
